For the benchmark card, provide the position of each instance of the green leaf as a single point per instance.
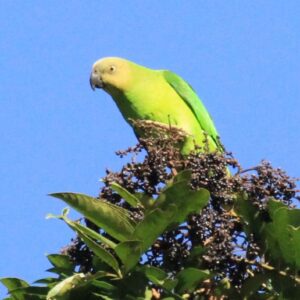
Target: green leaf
(98, 250)
(129, 252)
(190, 278)
(278, 234)
(29, 293)
(112, 218)
(101, 252)
(61, 261)
(153, 225)
(252, 284)
(127, 196)
(156, 275)
(148, 294)
(184, 175)
(146, 200)
(160, 277)
(173, 206)
(283, 235)
(93, 234)
(145, 234)
(74, 285)
(13, 284)
(99, 265)
(61, 265)
(285, 286)
(133, 285)
(197, 251)
(61, 271)
(62, 290)
(38, 291)
(186, 200)
(101, 296)
(250, 215)
(47, 280)
(104, 285)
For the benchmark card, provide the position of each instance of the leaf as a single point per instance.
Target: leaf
(61, 290)
(38, 291)
(93, 234)
(61, 261)
(101, 296)
(112, 218)
(196, 257)
(283, 235)
(104, 285)
(173, 205)
(73, 285)
(278, 235)
(129, 252)
(190, 278)
(13, 284)
(148, 294)
(98, 250)
(285, 286)
(184, 175)
(252, 284)
(133, 285)
(99, 265)
(29, 293)
(47, 280)
(250, 215)
(186, 200)
(60, 271)
(146, 200)
(156, 275)
(153, 225)
(126, 195)
(160, 277)
(146, 233)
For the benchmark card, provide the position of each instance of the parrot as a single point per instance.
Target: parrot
(160, 96)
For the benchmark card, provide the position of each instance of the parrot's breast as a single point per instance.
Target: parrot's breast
(152, 98)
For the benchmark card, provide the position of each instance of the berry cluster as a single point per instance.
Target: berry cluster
(214, 238)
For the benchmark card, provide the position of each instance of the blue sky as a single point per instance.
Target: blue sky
(242, 57)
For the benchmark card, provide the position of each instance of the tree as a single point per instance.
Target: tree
(169, 226)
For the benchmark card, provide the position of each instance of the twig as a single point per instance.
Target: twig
(268, 268)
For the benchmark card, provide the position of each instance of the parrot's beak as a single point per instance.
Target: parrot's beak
(96, 81)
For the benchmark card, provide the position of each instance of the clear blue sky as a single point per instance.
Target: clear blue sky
(242, 57)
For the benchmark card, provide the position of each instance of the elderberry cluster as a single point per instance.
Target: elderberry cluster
(212, 239)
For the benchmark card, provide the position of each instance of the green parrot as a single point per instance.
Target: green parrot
(156, 95)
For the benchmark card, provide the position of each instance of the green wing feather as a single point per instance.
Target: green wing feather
(186, 92)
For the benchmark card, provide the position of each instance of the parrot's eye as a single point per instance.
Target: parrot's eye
(112, 69)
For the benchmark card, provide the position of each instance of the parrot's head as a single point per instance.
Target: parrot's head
(111, 74)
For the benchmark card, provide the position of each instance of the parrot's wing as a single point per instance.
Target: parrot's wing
(186, 92)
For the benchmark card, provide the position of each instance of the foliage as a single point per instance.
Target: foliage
(169, 226)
